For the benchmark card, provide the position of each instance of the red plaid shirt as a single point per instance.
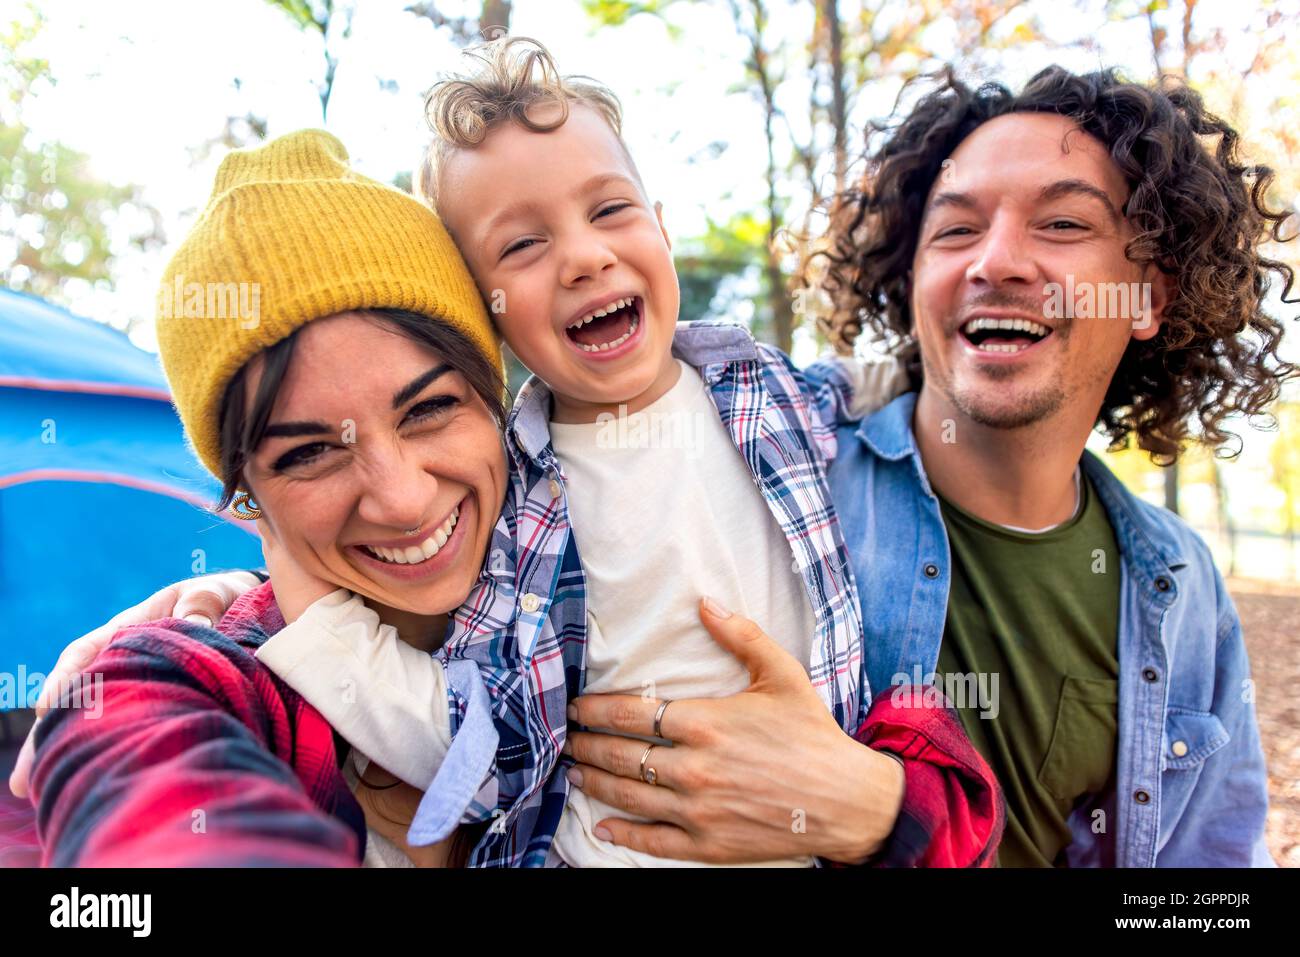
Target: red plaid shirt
(201, 757)
(953, 813)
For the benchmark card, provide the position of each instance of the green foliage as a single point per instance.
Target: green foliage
(57, 219)
(722, 269)
(320, 17)
(20, 73)
(614, 13)
(57, 215)
(306, 16)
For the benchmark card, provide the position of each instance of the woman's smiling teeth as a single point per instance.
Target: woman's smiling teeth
(414, 554)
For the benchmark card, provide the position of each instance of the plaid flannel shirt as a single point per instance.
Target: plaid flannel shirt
(515, 655)
(190, 721)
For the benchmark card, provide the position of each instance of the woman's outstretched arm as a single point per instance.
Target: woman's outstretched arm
(177, 748)
(204, 600)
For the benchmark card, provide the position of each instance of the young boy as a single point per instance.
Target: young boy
(652, 463)
(628, 435)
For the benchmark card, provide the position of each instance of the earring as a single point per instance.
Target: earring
(244, 508)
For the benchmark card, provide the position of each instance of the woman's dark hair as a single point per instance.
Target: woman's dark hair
(243, 426)
(1198, 212)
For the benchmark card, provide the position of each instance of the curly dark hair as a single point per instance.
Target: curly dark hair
(1198, 212)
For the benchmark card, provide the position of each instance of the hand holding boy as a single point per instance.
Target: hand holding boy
(759, 775)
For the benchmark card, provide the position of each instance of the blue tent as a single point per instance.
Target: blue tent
(101, 502)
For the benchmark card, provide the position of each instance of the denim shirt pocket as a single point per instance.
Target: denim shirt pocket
(1196, 734)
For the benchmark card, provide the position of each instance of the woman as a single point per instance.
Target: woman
(362, 405)
(335, 480)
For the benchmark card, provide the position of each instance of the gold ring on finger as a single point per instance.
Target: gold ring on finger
(648, 775)
(659, 717)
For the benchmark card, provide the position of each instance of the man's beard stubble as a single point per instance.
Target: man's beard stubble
(1029, 410)
(985, 407)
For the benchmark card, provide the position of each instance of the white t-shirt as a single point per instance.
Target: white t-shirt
(664, 510)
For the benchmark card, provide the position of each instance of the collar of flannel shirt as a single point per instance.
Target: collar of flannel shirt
(525, 624)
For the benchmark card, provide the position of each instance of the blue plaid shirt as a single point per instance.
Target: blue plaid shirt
(516, 651)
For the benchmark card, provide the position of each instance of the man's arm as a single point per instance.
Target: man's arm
(833, 391)
(953, 812)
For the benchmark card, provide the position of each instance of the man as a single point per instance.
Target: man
(1064, 259)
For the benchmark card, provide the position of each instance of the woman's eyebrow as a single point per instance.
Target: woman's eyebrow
(400, 398)
(294, 429)
(417, 385)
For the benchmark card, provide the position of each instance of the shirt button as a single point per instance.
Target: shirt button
(1163, 584)
(555, 489)
(1150, 674)
(1179, 748)
(931, 570)
(530, 603)
(1142, 797)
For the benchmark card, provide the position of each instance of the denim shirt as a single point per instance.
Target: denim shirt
(1191, 785)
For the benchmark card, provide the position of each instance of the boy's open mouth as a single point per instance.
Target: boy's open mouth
(608, 327)
(1003, 335)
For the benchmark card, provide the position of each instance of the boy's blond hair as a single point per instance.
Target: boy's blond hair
(512, 76)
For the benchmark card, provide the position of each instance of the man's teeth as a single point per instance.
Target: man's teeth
(1015, 325)
(414, 554)
(1027, 326)
(605, 346)
(614, 306)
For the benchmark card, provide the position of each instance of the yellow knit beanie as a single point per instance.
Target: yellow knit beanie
(292, 234)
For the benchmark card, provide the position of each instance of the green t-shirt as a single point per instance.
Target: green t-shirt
(1034, 618)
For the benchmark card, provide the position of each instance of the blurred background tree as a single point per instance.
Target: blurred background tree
(59, 223)
(333, 22)
(1284, 459)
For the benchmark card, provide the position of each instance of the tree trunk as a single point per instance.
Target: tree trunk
(1225, 518)
(778, 296)
(495, 19)
(1157, 40)
(839, 119)
(1189, 12)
